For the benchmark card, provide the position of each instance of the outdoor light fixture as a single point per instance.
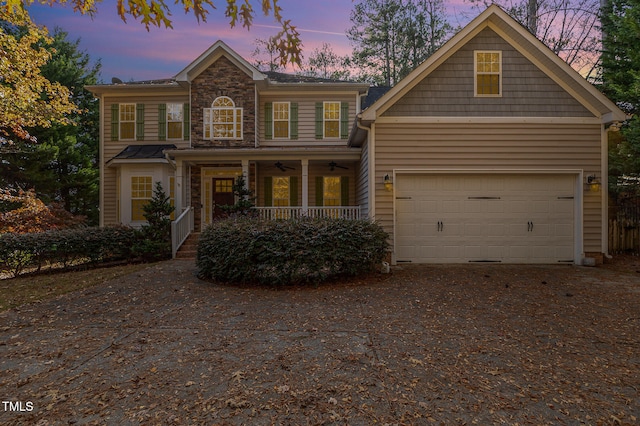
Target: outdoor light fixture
(388, 184)
(593, 183)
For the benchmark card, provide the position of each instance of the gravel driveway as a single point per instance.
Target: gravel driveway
(470, 344)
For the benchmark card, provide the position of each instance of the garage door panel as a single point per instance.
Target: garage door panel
(463, 218)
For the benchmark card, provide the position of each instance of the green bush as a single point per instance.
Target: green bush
(67, 247)
(282, 252)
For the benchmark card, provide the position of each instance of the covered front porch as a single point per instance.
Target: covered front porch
(285, 183)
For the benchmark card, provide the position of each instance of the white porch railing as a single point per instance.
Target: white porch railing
(180, 229)
(342, 212)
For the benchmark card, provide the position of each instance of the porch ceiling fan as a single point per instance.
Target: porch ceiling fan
(282, 167)
(333, 165)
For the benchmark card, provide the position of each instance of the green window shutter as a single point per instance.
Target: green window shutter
(140, 122)
(344, 120)
(268, 191)
(268, 120)
(186, 122)
(344, 191)
(115, 122)
(319, 120)
(319, 191)
(162, 122)
(293, 114)
(293, 190)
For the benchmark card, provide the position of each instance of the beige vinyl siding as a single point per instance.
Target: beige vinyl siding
(110, 205)
(306, 118)
(362, 181)
(113, 148)
(526, 90)
(319, 168)
(480, 146)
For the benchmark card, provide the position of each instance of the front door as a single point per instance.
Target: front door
(222, 195)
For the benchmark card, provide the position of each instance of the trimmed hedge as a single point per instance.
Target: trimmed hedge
(283, 252)
(70, 247)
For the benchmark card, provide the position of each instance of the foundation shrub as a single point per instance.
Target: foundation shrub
(284, 252)
(65, 248)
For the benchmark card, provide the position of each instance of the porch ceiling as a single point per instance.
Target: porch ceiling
(204, 154)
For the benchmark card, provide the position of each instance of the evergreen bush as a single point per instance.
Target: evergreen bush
(283, 252)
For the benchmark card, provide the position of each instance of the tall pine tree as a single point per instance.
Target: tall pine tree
(621, 81)
(62, 164)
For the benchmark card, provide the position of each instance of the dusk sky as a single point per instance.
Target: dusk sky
(129, 52)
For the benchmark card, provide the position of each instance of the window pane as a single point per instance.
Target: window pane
(281, 191)
(127, 130)
(141, 191)
(174, 130)
(331, 195)
(280, 129)
(331, 129)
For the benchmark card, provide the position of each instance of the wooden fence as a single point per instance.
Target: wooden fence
(624, 227)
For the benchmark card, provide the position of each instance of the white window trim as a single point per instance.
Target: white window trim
(132, 198)
(121, 121)
(288, 120)
(476, 73)
(181, 121)
(208, 123)
(324, 119)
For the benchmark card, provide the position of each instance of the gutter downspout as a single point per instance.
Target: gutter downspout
(371, 168)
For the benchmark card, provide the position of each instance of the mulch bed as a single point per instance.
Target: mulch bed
(460, 344)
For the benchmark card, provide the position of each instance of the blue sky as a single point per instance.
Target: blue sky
(129, 52)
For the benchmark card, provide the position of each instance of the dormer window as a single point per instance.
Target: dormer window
(223, 120)
(488, 73)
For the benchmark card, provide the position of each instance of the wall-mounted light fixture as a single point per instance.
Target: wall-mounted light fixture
(388, 183)
(593, 183)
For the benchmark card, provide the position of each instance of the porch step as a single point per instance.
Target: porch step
(189, 248)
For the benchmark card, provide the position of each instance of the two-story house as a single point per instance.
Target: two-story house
(492, 150)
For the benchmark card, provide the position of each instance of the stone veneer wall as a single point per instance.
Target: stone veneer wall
(223, 78)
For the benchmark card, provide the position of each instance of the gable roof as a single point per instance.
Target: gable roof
(211, 55)
(525, 43)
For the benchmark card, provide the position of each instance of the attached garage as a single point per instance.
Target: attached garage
(479, 217)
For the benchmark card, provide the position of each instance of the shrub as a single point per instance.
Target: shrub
(283, 252)
(154, 240)
(66, 247)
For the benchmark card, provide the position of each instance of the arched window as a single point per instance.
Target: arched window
(223, 120)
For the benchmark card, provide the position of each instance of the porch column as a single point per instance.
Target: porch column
(245, 173)
(305, 185)
(178, 189)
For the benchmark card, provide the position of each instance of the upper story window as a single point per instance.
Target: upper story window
(175, 118)
(223, 120)
(331, 118)
(127, 119)
(281, 120)
(488, 73)
(127, 122)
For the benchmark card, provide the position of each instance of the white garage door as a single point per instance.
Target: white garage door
(484, 218)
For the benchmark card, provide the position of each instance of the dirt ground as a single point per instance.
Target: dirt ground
(460, 345)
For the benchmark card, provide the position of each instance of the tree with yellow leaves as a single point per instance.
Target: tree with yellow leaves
(27, 98)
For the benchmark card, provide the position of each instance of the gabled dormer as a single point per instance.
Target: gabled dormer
(222, 86)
